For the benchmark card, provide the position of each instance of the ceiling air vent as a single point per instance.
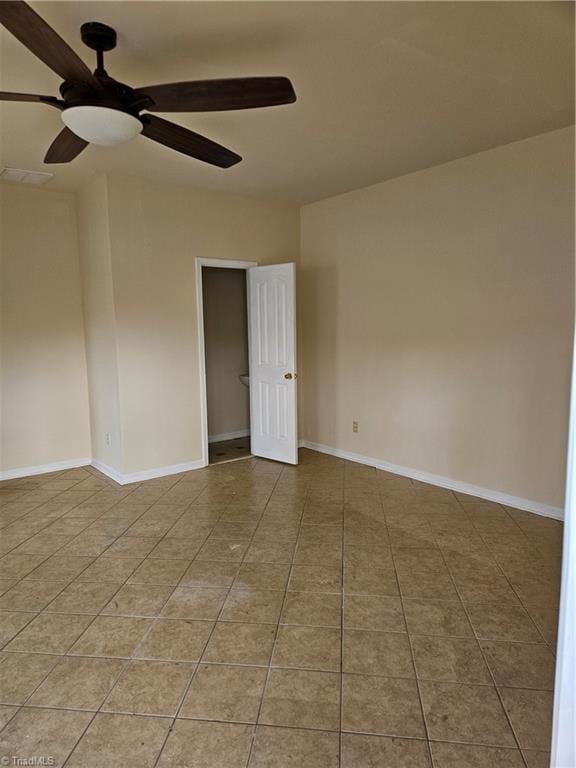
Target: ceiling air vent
(25, 177)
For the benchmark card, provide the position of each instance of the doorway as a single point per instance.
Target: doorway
(247, 358)
(225, 319)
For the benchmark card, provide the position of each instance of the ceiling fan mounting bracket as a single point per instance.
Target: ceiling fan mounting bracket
(98, 36)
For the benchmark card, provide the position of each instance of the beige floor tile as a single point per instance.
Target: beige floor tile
(207, 745)
(308, 648)
(319, 609)
(315, 578)
(530, 713)
(228, 530)
(449, 660)
(293, 747)
(138, 600)
(160, 572)
(478, 588)
(175, 640)
(436, 617)
(381, 705)
(6, 584)
(112, 569)
(427, 584)
(468, 756)
(68, 526)
(273, 530)
(420, 537)
(537, 759)
(253, 606)
(224, 550)
(176, 549)
(11, 624)
(224, 692)
(60, 568)
(313, 552)
(359, 751)
(82, 597)
(131, 546)
(320, 533)
(518, 665)
(209, 575)
(373, 612)
(150, 688)
(50, 633)
(495, 621)
(270, 552)
(114, 636)
(193, 603)
(234, 643)
(77, 683)
(302, 699)
(6, 714)
(365, 579)
(35, 732)
(43, 543)
(13, 566)
(21, 674)
(149, 529)
(108, 526)
(120, 740)
(262, 576)
(88, 544)
(469, 713)
(30, 595)
(376, 653)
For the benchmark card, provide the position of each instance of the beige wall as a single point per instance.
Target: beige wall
(437, 310)
(156, 231)
(226, 346)
(100, 323)
(43, 370)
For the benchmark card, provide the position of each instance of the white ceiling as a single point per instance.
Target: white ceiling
(384, 88)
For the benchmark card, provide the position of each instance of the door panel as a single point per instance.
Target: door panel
(272, 342)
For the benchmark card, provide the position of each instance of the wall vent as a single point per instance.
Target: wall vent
(25, 177)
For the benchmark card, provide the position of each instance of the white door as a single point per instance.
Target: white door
(272, 341)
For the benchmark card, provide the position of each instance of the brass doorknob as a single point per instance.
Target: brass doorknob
(287, 375)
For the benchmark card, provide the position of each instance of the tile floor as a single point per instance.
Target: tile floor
(260, 615)
(228, 450)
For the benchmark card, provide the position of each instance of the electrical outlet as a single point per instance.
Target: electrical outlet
(108, 437)
(354, 426)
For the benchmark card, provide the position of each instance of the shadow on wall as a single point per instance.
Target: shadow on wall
(318, 346)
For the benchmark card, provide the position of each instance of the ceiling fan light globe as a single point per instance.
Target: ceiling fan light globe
(101, 125)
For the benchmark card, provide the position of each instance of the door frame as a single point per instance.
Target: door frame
(220, 264)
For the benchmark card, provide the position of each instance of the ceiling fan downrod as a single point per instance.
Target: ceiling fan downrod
(99, 37)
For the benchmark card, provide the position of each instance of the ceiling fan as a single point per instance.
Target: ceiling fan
(96, 109)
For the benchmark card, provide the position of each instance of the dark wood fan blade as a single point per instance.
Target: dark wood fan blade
(32, 97)
(212, 95)
(39, 37)
(189, 143)
(65, 147)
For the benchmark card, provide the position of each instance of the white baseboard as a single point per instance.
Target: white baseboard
(42, 469)
(426, 477)
(146, 474)
(228, 436)
(444, 482)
